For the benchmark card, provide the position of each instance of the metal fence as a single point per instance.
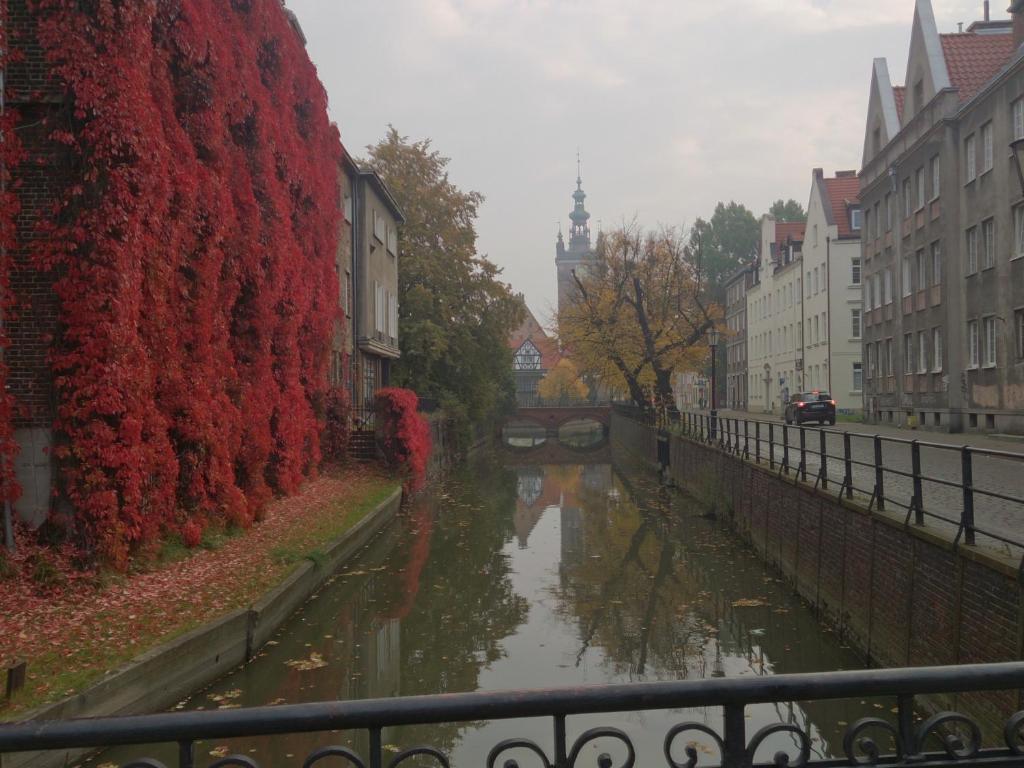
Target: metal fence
(944, 739)
(976, 491)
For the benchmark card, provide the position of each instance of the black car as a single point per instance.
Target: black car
(811, 406)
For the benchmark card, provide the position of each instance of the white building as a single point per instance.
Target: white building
(774, 317)
(833, 305)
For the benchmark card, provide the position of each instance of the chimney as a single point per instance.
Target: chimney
(988, 15)
(1016, 11)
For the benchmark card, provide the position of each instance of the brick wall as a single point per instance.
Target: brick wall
(902, 596)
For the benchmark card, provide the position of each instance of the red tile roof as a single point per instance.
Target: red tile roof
(899, 92)
(973, 60)
(786, 229)
(843, 191)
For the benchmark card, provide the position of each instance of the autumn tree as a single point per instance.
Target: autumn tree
(563, 382)
(643, 313)
(455, 313)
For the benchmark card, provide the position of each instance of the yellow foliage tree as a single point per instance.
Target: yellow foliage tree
(563, 383)
(642, 313)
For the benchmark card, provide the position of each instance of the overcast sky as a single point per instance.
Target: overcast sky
(674, 104)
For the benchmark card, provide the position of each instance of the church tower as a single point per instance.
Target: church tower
(580, 254)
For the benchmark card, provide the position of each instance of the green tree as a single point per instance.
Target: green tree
(787, 210)
(728, 240)
(455, 313)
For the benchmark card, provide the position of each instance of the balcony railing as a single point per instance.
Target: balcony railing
(943, 739)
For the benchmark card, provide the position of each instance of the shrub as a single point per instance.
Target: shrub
(334, 441)
(192, 534)
(403, 432)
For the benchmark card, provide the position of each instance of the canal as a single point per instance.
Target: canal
(511, 574)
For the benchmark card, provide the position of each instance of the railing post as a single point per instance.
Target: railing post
(967, 521)
(823, 458)
(736, 434)
(918, 501)
(771, 445)
(186, 754)
(847, 465)
(803, 454)
(735, 737)
(376, 757)
(746, 439)
(907, 730)
(561, 756)
(757, 442)
(879, 474)
(785, 449)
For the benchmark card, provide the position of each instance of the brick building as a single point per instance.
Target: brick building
(943, 240)
(736, 382)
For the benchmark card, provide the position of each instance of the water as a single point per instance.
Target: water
(533, 576)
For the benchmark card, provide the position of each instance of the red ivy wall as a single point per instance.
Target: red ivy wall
(192, 255)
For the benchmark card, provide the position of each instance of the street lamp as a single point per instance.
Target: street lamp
(713, 346)
(1017, 153)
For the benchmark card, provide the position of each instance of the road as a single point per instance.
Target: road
(997, 467)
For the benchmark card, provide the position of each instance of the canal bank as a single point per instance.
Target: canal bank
(161, 676)
(902, 595)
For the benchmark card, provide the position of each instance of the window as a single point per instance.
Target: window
(918, 95)
(922, 270)
(875, 218)
(986, 147)
(1018, 232)
(937, 349)
(988, 243)
(379, 227)
(922, 352)
(972, 344)
(888, 358)
(392, 316)
(1018, 119)
(972, 250)
(855, 271)
(869, 357)
(855, 215)
(936, 263)
(970, 159)
(858, 377)
(347, 207)
(855, 323)
(907, 201)
(869, 296)
(1018, 324)
(988, 327)
(817, 330)
(807, 283)
(909, 361)
(936, 177)
(392, 244)
(919, 177)
(908, 277)
(816, 288)
(888, 212)
(887, 296)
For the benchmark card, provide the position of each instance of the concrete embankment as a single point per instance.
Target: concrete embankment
(164, 675)
(904, 595)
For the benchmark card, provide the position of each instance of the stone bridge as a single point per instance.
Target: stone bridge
(552, 418)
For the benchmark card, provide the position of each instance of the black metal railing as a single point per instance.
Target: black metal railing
(975, 490)
(536, 401)
(943, 739)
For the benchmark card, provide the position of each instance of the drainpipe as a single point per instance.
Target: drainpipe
(8, 514)
(803, 335)
(828, 310)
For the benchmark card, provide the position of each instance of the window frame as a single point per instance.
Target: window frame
(856, 323)
(973, 346)
(1017, 251)
(936, 172)
(936, 254)
(938, 350)
(970, 159)
(856, 275)
(919, 183)
(858, 372)
(1018, 324)
(922, 351)
(987, 148)
(971, 250)
(989, 353)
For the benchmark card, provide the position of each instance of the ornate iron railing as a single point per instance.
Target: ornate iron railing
(944, 739)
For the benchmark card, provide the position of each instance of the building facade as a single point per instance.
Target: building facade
(533, 355)
(374, 286)
(774, 318)
(943, 240)
(736, 384)
(832, 304)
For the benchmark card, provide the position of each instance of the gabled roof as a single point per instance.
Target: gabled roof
(973, 59)
(842, 192)
(530, 330)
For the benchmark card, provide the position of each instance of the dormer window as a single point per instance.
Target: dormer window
(918, 95)
(855, 219)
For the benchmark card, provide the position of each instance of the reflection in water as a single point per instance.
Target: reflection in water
(536, 577)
